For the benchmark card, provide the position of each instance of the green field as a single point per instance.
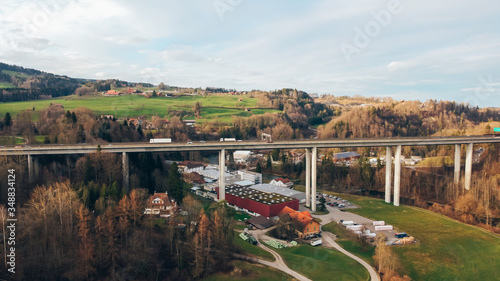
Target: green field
(448, 250)
(245, 271)
(253, 250)
(16, 73)
(5, 85)
(318, 263)
(220, 107)
(348, 241)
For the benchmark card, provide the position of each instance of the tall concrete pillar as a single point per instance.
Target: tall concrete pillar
(125, 171)
(388, 172)
(397, 175)
(30, 168)
(222, 175)
(308, 178)
(314, 163)
(456, 178)
(36, 167)
(468, 165)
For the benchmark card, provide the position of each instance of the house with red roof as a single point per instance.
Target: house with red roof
(282, 182)
(112, 93)
(310, 227)
(161, 204)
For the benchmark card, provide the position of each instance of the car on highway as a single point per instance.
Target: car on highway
(189, 142)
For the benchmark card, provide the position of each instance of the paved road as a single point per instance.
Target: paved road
(279, 263)
(335, 215)
(329, 238)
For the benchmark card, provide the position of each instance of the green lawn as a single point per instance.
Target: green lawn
(318, 263)
(222, 107)
(448, 250)
(5, 85)
(245, 271)
(251, 249)
(348, 241)
(16, 73)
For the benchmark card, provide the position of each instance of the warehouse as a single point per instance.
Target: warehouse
(263, 203)
(285, 191)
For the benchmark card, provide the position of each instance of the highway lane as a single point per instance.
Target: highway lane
(242, 145)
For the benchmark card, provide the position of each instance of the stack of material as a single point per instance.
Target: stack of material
(379, 223)
(275, 244)
(408, 240)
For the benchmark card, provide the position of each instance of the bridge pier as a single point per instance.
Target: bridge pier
(222, 174)
(456, 178)
(30, 169)
(468, 165)
(388, 172)
(308, 178)
(397, 175)
(125, 171)
(313, 177)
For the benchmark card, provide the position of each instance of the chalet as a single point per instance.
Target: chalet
(282, 182)
(345, 156)
(112, 93)
(161, 204)
(190, 167)
(310, 227)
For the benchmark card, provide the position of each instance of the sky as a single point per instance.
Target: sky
(404, 49)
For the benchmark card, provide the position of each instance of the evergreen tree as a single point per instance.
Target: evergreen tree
(175, 183)
(258, 169)
(321, 205)
(269, 163)
(7, 120)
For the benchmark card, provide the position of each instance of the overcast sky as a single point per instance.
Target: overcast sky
(407, 49)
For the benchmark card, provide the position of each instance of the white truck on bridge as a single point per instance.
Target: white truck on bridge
(227, 139)
(169, 140)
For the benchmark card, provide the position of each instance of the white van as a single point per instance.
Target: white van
(316, 242)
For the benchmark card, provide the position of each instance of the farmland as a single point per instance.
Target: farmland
(447, 249)
(220, 107)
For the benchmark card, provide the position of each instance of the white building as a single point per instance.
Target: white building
(282, 182)
(241, 156)
(250, 176)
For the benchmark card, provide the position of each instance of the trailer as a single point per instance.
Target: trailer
(227, 139)
(169, 140)
(379, 223)
(347, 223)
(383, 227)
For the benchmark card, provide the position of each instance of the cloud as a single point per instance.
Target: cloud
(430, 49)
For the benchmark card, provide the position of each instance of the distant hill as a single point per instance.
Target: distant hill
(21, 84)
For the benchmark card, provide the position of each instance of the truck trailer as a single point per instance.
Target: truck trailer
(160, 140)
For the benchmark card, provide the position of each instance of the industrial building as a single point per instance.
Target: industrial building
(285, 191)
(266, 204)
(254, 177)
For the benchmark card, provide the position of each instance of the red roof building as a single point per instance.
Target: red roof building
(310, 226)
(112, 93)
(256, 201)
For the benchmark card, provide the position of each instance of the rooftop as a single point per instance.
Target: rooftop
(285, 191)
(257, 195)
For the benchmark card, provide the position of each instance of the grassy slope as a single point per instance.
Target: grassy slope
(222, 107)
(250, 272)
(253, 250)
(347, 241)
(448, 250)
(319, 263)
(5, 85)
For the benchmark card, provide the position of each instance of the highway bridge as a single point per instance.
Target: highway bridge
(311, 147)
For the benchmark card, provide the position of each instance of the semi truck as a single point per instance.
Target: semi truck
(227, 139)
(160, 140)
